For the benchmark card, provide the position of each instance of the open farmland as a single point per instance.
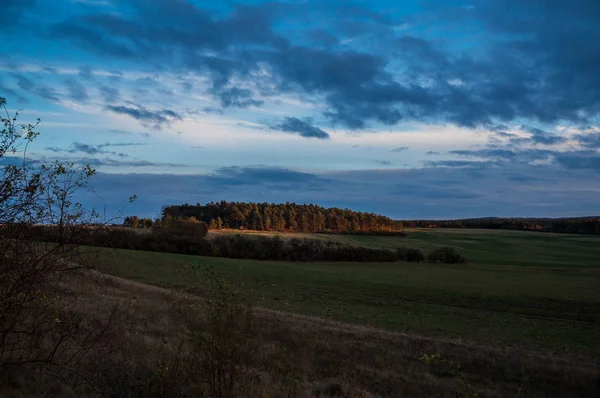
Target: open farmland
(486, 247)
(537, 290)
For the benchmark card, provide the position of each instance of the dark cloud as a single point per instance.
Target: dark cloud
(110, 94)
(590, 140)
(576, 160)
(236, 97)
(86, 148)
(86, 73)
(302, 128)
(432, 153)
(26, 84)
(542, 56)
(399, 149)
(355, 85)
(276, 178)
(148, 118)
(322, 37)
(95, 149)
(107, 162)
(12, 12)
(88, 37)
(486, 153)
(457, 163)
(542, 137)
(77, 92)
(6, 91)
(121, 144)
(504, 156)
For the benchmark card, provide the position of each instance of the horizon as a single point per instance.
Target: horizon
(428, 110)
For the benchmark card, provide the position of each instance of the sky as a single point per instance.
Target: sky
(412, 109)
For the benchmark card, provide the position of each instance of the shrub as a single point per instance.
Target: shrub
(39, 331)
(222, 351)
(188, 227)
(411, 255)
(446, 255)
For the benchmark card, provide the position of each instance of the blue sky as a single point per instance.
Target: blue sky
(413, 109)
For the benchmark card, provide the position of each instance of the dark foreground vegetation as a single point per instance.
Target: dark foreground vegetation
(163, 343)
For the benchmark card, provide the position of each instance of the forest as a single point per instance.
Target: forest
(283, 217)
(292, 217)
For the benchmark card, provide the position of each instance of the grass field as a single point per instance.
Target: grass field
(489, 247)
(532, 289)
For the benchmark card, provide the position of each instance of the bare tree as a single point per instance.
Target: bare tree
(40, 229)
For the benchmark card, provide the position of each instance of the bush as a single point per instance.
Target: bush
(188, 227)
(223, 349)
(187, 237)
(411, 255)
(446, 255)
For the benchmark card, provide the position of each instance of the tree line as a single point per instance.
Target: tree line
(283, 217)
(292, 217)
(188, 236)
(575, 225)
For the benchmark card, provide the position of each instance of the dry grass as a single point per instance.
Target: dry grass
(303, 356)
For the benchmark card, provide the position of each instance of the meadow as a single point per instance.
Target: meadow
(524, 289)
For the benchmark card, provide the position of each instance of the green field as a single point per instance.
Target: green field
(531, 289)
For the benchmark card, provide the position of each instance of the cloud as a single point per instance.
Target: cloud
(542, 62)
(590, 140)
(457, 163)
(89, 149)
(107, 162)
(236, 97)
(302, 128)
(579, 160)
(493, 153)
(4, 90)
(86, 73)
(399, 149)
(432, 153)
(279, 178)
(110, 94)
(76, 90)
(504, 156)
(148, 118)
(95, 149)
(29, 86)
(85, 36)
(541, 137)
